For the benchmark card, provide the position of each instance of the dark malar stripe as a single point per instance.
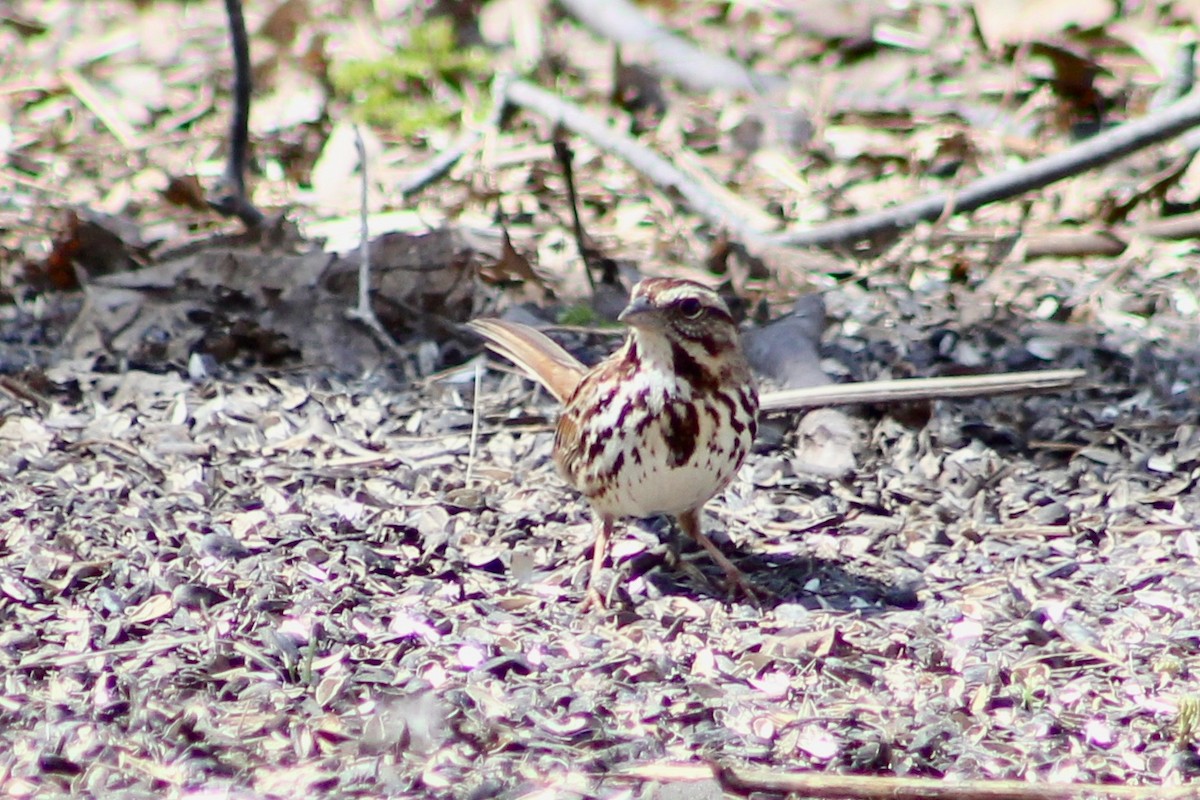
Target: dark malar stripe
(692, 371)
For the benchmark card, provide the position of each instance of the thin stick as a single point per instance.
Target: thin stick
(654, 166)
(364, 313)
(234, 203)
(920, 389)
(881, 787)
(364, 230)
(143, 648)
(471, 450)
(594, 261)
(744, 780)
(105, 111)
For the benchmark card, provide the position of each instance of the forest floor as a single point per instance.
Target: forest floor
(246, 551)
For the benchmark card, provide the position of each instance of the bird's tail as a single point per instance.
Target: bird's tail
(535, 353)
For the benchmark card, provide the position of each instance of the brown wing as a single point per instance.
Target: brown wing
(535, 353)
(578, 441)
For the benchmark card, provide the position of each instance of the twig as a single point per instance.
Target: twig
(474, 422)
(364, 230)
(142, 648)
(656, 168)
(887, 787)
(363, 312)
(593, 260)
(1073, 243)
(562, 151)
(744, 780)
(233, 201)
(105, 111)
(18, 390)
(920, 389)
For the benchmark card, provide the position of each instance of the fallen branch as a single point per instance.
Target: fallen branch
(1094, 152)
(1101, 149)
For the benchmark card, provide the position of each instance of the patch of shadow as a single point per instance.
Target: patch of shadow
(809, 582)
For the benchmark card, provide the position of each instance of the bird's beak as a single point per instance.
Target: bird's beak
(638, 313)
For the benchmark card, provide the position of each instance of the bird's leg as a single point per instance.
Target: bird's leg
(604, 527)
(690, 522)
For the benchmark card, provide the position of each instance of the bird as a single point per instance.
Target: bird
(658, 427)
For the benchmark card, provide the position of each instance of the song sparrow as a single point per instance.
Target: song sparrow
(658, 427)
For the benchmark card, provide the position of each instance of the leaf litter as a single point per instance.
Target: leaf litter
(230, 565)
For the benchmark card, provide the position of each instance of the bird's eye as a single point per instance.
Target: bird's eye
(691, 308)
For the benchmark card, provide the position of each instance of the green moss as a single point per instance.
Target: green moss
(415, 88)
(581, 315)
